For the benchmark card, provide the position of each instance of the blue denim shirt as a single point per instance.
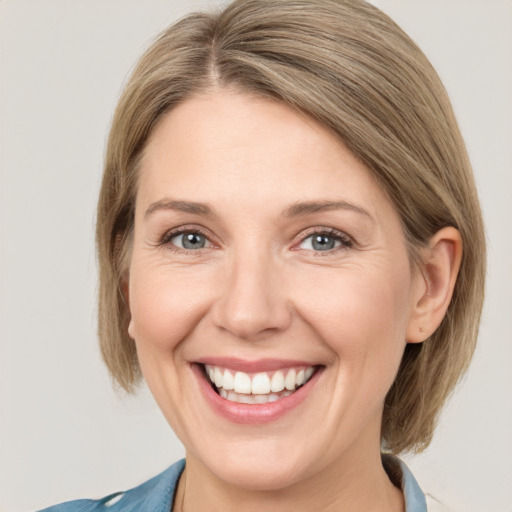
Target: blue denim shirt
(156, 495)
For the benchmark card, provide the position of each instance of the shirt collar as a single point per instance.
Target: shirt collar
(156, 495)
(402, 477)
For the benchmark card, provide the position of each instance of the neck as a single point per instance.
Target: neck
(357, 483)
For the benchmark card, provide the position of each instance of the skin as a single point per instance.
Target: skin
(258, 289)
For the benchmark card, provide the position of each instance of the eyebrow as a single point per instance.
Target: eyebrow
(181, 206)
(300, 209)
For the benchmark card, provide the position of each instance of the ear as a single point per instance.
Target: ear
(122, 252)
(125, 290)
(434, 284)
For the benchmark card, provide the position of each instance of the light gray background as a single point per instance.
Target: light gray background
(64, 433)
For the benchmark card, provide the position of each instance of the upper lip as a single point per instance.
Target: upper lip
(253, 365)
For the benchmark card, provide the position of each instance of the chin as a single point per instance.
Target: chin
(260, 473)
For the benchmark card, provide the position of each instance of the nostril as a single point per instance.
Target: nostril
(251, 306)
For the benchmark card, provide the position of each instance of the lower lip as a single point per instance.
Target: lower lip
(252, 414)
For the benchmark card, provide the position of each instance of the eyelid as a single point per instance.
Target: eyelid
(165, 239)
(346, 240)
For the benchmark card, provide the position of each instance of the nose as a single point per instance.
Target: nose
(252, 303)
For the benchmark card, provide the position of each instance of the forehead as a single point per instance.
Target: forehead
(228, 147)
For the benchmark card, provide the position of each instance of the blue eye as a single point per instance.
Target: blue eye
(190, 240)
(322, 242)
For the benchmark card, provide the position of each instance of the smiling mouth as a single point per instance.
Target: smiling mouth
(257, 388)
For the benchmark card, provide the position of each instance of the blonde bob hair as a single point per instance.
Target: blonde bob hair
(352, 69)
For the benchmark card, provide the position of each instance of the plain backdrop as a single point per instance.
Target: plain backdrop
(64, 432)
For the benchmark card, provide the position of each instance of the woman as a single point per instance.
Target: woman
(291, 254)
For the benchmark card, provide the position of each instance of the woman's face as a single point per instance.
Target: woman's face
(266, 255)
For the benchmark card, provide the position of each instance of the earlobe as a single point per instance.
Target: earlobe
(125, 290)
(131, 329)
(126, 293)
(434, 284)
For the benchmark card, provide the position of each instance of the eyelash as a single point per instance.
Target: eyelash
(345, 241)
(169, 235)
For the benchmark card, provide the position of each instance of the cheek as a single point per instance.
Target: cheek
(165, 305)
(358, 312)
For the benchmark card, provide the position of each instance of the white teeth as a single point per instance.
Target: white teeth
(218, 377)
(289, 381)
(228, 380)
(257, 388)
(242, 383)
(277, 383)
(260, 384)
(260, 399)
(242, 398)
(245, 399)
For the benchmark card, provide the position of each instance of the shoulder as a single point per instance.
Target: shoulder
(155, 495)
